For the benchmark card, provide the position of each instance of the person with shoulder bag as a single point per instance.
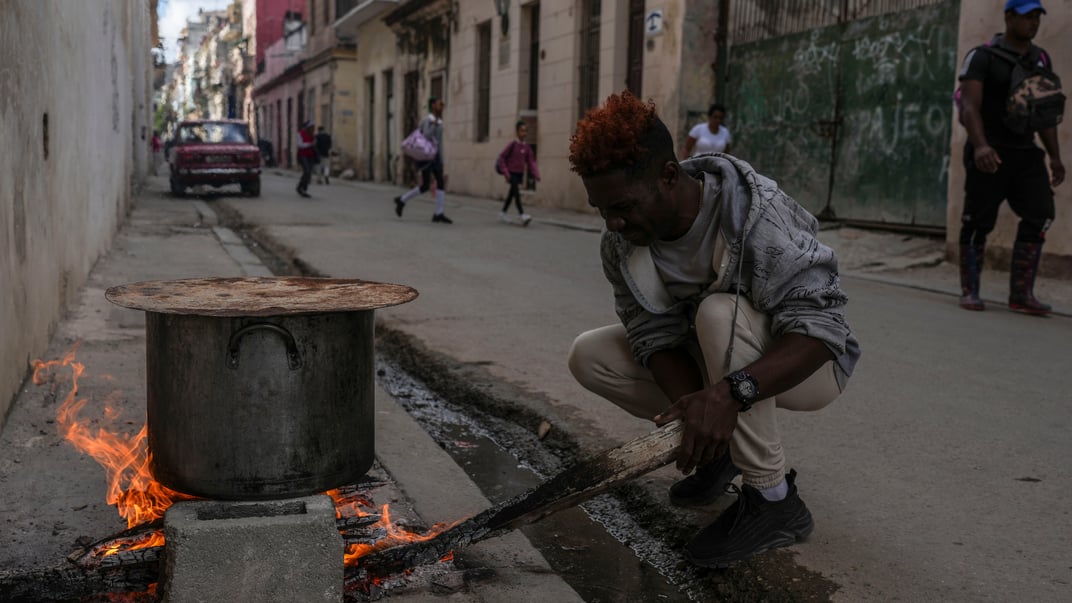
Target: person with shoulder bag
(431, 130)
(1008, 94)
(306, 156)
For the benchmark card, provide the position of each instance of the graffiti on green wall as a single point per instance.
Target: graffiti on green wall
(853, 120)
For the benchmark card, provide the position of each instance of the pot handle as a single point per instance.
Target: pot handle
(293, 358)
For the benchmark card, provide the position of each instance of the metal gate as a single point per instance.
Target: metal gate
(847, 103)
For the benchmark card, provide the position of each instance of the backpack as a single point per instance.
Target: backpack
(419, 147)
(503, 156)
(1034, 101)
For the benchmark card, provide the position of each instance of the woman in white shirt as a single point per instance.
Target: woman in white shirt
(709, 137)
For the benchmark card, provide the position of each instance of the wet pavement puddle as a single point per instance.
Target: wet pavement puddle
(583, 544)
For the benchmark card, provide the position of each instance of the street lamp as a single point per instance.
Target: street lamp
(502, 7)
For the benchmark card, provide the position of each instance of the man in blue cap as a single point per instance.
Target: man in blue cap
(1001, 158)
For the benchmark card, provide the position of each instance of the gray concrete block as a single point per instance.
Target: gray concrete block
(279, 550)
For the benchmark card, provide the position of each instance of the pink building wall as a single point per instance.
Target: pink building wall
(270, 15)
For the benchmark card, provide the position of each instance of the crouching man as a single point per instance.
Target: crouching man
(730, 308)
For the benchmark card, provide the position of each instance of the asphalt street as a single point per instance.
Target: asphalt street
(938, 475)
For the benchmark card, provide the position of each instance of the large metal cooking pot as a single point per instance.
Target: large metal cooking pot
(259, 388)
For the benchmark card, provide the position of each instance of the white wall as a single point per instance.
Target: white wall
(87, 66)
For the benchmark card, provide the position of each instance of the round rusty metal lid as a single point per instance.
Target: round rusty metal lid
(258, 296)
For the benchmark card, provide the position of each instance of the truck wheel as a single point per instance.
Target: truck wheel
(177, 188)
(253, 188)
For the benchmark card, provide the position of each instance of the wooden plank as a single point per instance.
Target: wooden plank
(572, 486)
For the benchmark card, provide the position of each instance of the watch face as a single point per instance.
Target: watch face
(746, 389)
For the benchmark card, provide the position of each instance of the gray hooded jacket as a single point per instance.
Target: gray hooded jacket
(786, 272)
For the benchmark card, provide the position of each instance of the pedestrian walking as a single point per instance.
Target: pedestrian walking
(306, 157)
(710, 136)
(323, 150)
(157, 147)
(730, 308)
(511, 163)
(1003, 84)
(432, 128)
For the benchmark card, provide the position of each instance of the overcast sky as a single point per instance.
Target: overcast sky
(173, 15)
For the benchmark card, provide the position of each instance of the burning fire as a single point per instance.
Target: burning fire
(125, 458)
(394, 534)
(140, 499)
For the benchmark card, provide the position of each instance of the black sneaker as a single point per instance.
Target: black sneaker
(303, 193)
(751, 525)
(705, 484)
(442, 218)
(399, 205)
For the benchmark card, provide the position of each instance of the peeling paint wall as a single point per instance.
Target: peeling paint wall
(979, 21)
(75, 84)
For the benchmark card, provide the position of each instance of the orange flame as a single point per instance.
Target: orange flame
(125, 458)
(139, 498)
(395, 535)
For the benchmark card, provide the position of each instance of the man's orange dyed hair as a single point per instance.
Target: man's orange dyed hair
(623, 134)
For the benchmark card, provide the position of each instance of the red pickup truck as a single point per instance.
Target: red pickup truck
(216, 153)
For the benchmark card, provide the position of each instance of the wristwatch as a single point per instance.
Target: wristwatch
(744, 389)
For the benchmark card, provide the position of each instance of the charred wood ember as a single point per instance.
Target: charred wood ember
(68, 582)
(113, 564)
(346, 524)
(356, 494)
(102, 552)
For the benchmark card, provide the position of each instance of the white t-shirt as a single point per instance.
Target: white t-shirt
(684, 264)
(706, 142)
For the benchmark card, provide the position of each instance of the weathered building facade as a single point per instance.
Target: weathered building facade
(60, 205)
(543, 62)
(848, 104)
(377, 69)
(330, 81)
(275, 92)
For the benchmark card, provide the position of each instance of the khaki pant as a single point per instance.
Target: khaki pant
(603, 363)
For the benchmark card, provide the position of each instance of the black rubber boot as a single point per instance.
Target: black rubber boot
(971, 266)
(1025, 261)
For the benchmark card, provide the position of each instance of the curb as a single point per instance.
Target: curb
(908, 284)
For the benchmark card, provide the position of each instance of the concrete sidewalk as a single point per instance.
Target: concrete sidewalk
(52, 497)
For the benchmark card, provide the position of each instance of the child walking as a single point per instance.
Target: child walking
(512, 163)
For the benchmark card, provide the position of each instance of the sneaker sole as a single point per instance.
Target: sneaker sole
(778, 539)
